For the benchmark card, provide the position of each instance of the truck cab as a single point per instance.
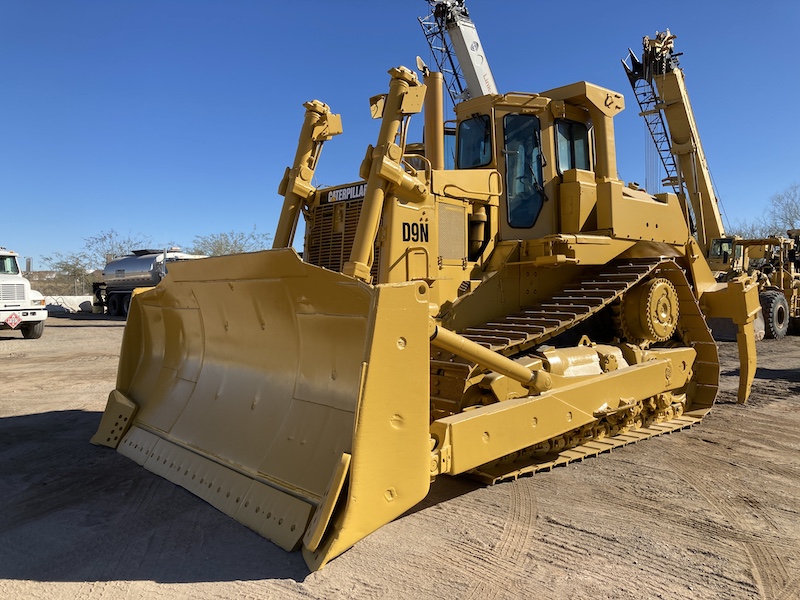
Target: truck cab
(21, 308)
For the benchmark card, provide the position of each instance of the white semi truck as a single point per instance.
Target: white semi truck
(21, 308)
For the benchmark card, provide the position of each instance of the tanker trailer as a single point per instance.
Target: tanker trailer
(139, 269)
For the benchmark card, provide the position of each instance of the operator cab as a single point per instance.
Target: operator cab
(725, 256)
(537, 143)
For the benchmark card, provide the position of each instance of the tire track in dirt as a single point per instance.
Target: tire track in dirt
(501, 569)
(101, 590)
(521, 522)
(776, 581)
(652, 502)
(90, 590)
(649, 505)
(570, 546)
(666, 513)
(773, 576)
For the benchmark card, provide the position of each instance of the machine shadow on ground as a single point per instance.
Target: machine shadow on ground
(71, 511)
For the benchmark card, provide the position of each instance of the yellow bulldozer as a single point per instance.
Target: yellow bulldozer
(518, 311)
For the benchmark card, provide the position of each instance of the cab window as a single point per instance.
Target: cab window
(525, 195)
(721, 248)
(8, 265)
(449, 148)
(572, 145)
(474, 143)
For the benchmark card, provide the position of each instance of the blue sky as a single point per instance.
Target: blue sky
(176, 118)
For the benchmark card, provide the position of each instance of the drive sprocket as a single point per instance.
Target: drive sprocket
(649, 312)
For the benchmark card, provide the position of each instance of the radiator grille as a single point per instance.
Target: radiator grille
(12, 292)
(452, 232)
(331, 233)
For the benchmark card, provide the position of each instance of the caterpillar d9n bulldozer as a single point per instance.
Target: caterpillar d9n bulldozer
(518, 311)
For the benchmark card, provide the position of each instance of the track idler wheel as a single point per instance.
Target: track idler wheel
(650, 312)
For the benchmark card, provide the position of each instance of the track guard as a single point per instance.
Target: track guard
(292, 398)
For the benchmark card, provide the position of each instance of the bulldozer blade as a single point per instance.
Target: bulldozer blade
(292, 398)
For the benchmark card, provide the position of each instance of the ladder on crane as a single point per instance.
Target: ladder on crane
(640, 76)
(659, 86)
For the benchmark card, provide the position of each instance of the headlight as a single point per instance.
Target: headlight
(38, 302)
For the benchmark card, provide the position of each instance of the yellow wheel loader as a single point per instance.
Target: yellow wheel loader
(773, 264)
(516, 312)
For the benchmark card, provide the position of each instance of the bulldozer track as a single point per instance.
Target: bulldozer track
(589, 449)
(597, 288)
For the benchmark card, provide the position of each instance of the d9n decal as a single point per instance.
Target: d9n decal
(415, 232)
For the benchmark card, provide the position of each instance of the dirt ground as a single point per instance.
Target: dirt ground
(710, 512)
